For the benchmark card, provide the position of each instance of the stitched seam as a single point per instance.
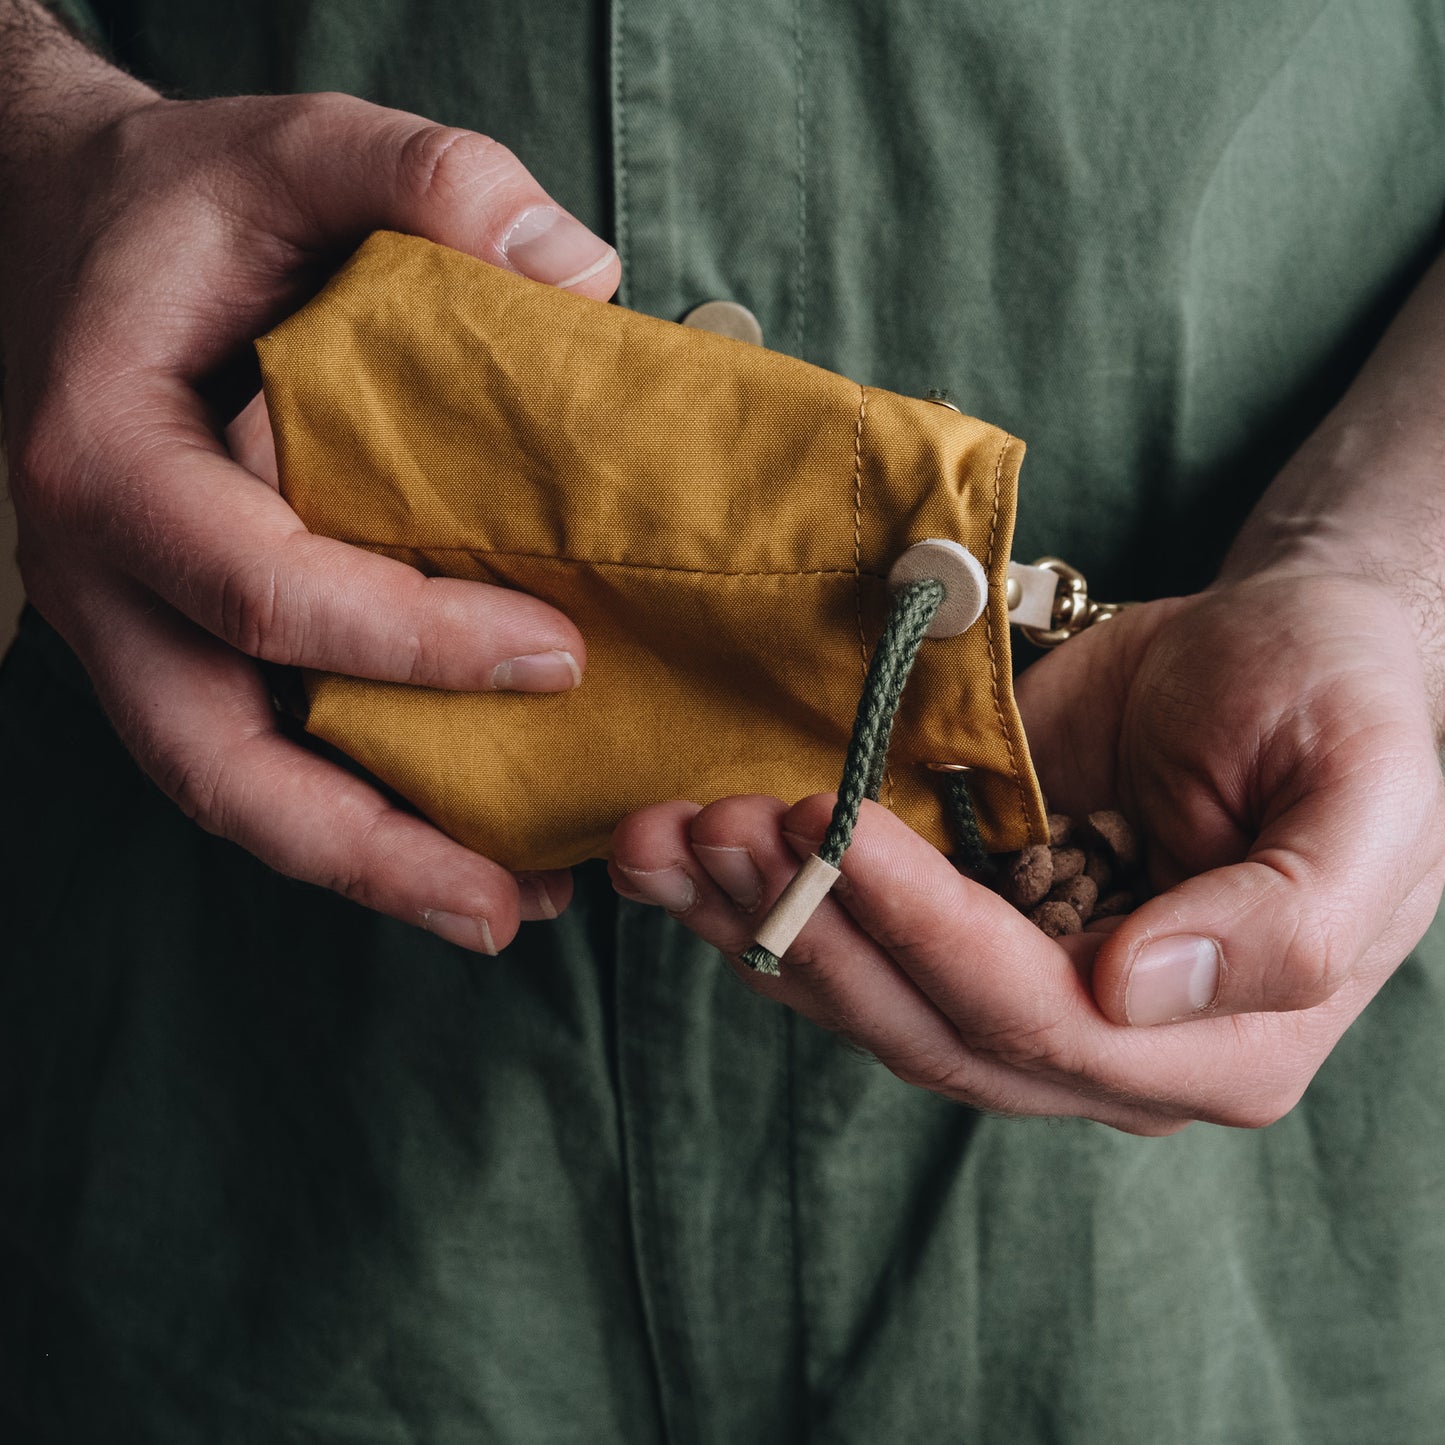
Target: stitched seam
(993, 668)
(802, 142)
(795, 1217)
(858, 526)
(605, 562)
(619, 126)
(636, 1160)
(858, 550)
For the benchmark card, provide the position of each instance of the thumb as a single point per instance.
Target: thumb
(356, 167)
(1355, 859)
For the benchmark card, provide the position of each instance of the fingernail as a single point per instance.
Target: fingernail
(1172, 979)
(467, 930)
(537, 672)
(669, 888)
(548, 245)
(805, 847)
(536, 901)
(734, 871)
(626, 890)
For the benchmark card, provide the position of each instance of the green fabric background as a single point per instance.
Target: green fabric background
(595, 1191)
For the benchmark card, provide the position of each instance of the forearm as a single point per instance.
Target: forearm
(1365, 495)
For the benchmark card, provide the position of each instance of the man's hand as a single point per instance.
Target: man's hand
(145, 243)
(1273, 739)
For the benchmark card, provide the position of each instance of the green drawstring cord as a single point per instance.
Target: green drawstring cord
(972, 856)
(913, 607)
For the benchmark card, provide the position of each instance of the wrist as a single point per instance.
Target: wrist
(1352, 507)
(58, 103)
(56, 94)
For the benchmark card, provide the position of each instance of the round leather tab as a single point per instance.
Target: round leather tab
(964, 583)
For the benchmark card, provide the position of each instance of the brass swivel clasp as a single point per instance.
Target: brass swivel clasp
(1073, 608)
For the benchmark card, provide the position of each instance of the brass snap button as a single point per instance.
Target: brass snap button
(726, 318)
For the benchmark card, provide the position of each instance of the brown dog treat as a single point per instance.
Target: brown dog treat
(1098, 870)
(1061, 829)
(1114, 905)
(1113, 831)
(1079, 893)
(1068, 863)
(1056, 919)
(1028, 876)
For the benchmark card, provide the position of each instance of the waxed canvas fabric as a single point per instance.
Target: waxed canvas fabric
(718, 519)
(278, 1170)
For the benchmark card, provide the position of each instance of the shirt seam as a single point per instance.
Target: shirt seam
(800, 118)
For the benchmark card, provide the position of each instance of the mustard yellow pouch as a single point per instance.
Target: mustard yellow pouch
(717, 519)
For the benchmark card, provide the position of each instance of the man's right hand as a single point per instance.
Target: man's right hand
(141, 254)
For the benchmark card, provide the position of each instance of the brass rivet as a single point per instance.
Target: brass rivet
(1014, 593)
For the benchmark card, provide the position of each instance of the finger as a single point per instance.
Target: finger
(695, 862)
(1344, 863)
(291, 184)
(252, 443)
(1005, 985)
(1075, 748)
(351, 167)
(198, 719)
(543, 896)
(699, 863)
(1018, 997)
(223, 547)
(833, 974)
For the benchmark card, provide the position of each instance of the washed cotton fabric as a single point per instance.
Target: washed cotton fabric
(718, 519)
(279, 1170)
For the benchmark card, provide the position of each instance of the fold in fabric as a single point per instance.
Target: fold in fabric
(717, 519)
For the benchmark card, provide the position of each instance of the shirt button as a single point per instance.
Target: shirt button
(726, 318)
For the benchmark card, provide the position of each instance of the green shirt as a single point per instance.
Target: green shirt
(596, 1191)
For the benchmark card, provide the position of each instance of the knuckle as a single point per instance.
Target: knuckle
(960, 1079)
(82, 476)
(42, 471)
(352, 883)
(320, 104)
(251, 616)
(195, 782)
(422, 651)
(421, 665)
(353, 874)
(440, 164)
(949, 1075)
(265, 141)
(1143, 1125)
(1314, 964)
(1258, 1115)
(1255, 1111)
(1034, 1049)
(293, 121)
